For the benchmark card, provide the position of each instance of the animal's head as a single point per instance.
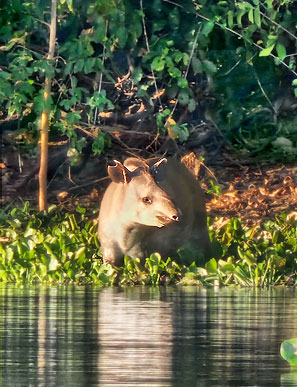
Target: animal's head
(145, 201)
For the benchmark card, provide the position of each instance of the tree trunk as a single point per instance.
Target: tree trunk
(44, 120)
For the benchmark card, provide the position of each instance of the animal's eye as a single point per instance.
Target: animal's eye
(146, 200)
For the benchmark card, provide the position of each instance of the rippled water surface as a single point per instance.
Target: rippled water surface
(175, 336)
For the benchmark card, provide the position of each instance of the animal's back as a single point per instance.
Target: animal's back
(188, 197)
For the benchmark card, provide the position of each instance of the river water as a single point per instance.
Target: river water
(143, 336)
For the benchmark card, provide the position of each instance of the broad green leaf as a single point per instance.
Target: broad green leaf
(288, 351)
(227, 268)
(192, 105)
(211, 266)
(183, 98)
(182, 83)
(257, 17)
(80, 252)
(122, 34)
(186, 58)
(230, 18)
(79, 65)
(240, 13)
(269, 4)
(89, 65)
(208, 27)
(137, 75)
(197, 65)
(209, 67)
(251, 15)
(266, 51)
(4, 75)
(177, 56)
(281, 51)
(158, 64)
(70, 5)
(174, 72)
(244, 5)
(53, 264)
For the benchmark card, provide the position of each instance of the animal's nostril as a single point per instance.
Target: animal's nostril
(175, 218)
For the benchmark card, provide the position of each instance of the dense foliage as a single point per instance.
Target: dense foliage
(62, 247)
(230, 63)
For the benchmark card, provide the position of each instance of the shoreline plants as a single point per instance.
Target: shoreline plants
(58, 246)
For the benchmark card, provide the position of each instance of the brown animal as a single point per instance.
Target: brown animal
(151, 207)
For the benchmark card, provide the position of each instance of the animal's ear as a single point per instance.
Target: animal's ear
(161, 161)
(119, 173)
(156, 169)
(132, 163)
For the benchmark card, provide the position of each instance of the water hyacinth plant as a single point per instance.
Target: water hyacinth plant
(59, 246)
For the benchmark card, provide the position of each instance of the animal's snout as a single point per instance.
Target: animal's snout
(177, 216)
(169, 218)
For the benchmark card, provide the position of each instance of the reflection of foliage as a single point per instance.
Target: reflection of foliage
(173, 52)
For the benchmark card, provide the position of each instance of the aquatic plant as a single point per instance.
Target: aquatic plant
(59, 246)
(288, 351)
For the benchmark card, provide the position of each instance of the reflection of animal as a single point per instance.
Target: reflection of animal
(151, 207)
(133, 349)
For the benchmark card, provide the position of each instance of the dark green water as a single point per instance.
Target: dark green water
(185, 336)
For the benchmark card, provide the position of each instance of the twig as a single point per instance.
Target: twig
(86, 184)
(101, 73)
(187, 69)
(173, 3)
(276, 24)
(42, 21)
(263, 91)
(148, 50)
(233, 67)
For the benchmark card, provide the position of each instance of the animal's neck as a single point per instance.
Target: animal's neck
(135, 235)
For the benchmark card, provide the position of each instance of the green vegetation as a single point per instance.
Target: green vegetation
(62, 247)
(230, 63)
(288, 351)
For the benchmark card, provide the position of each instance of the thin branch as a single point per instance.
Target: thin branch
(101, 73)
(263, 91)
(277, 24)
(86, 184)
(192, 51)
(187, 70)
(260, 84)
(43, 22)
(288, 55)
(173, 3)
(233, 67)
(148, 50)
(44, 120)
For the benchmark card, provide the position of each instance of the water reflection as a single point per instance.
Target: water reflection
(84, 336)
(135, 337)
